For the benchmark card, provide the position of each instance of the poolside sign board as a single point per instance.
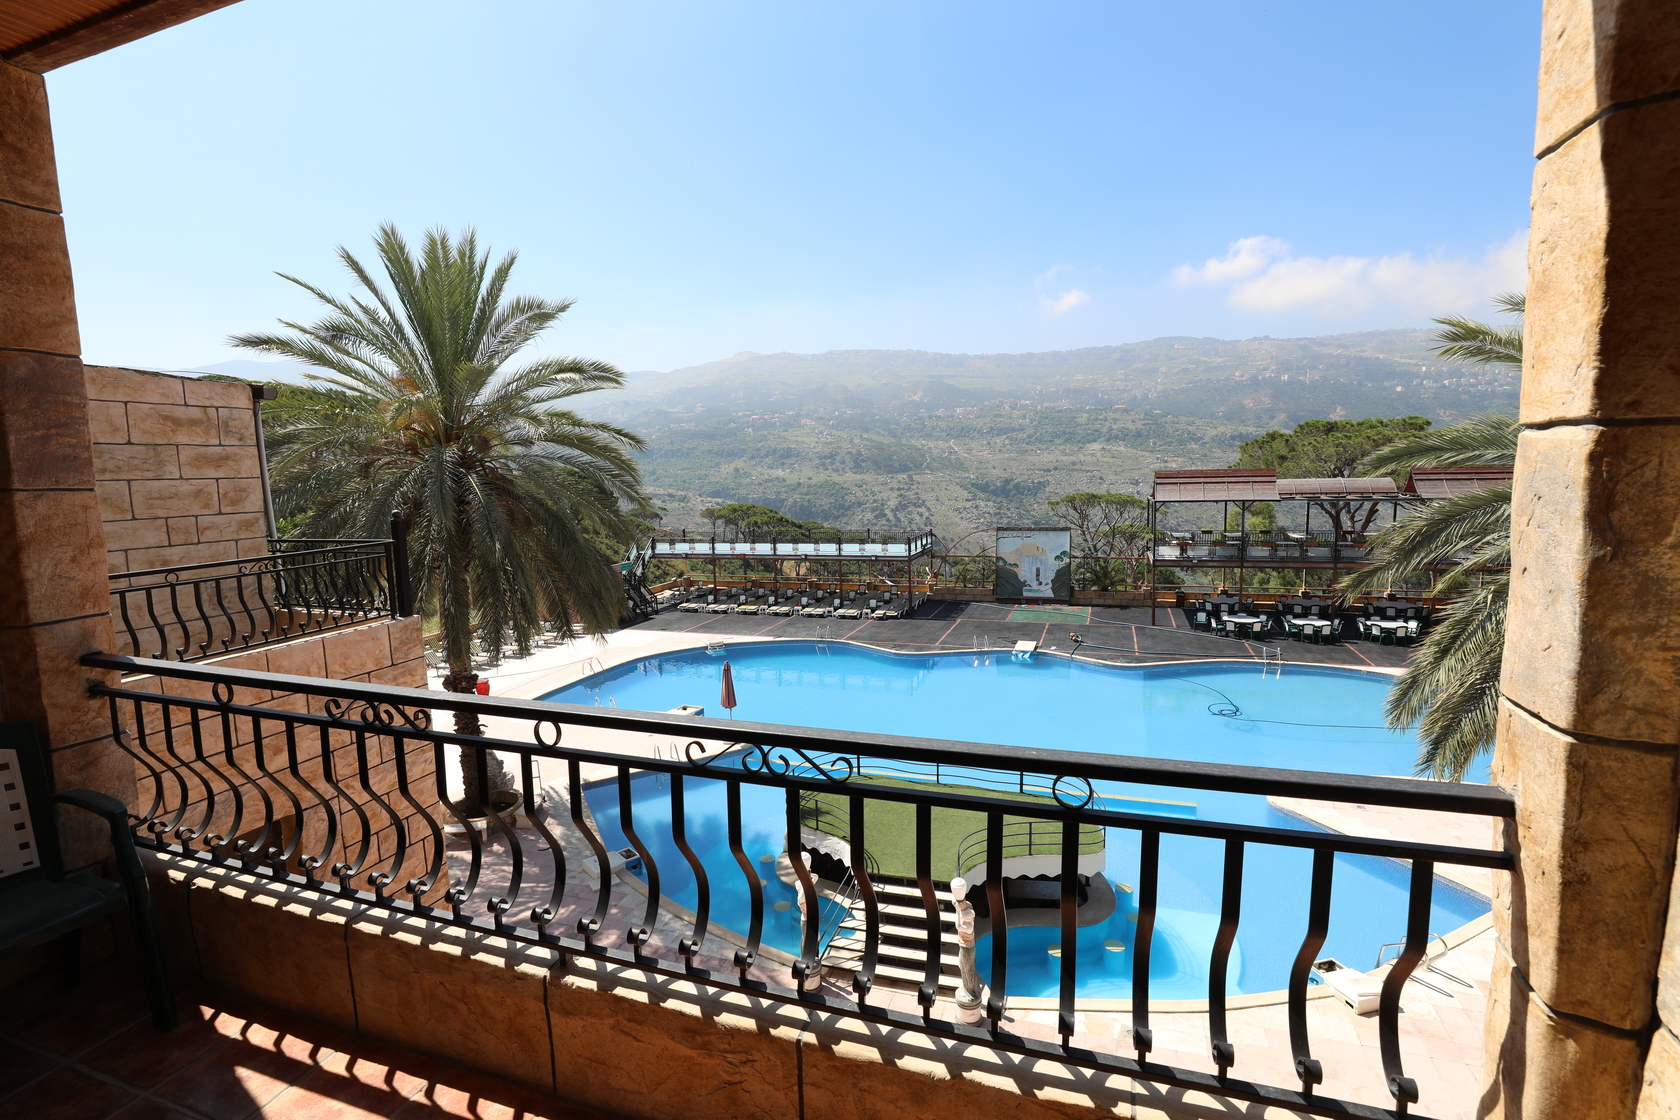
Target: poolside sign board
(1033, 563)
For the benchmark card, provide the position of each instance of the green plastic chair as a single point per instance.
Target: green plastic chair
(39, 903)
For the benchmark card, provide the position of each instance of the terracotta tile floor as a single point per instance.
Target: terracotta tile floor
(89, 1052)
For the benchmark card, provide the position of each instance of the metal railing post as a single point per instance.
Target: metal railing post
(259, 394)
(401, 582)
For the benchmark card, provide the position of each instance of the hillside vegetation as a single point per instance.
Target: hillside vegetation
(959, 442)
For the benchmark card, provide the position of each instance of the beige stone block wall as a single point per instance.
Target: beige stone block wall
(642, 1047)
(1581, 1022)
(52, 598)
(175, 460)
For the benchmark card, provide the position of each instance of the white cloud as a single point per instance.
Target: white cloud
(1263, 275)
(1067, 301)
(1243, 259)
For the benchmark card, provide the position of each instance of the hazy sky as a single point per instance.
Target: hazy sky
(709, 178)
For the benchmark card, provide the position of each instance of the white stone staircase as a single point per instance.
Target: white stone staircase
(903, 935)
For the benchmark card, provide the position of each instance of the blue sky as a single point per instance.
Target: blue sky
(710, 178)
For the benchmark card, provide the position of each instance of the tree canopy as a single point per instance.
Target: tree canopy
(1330, 449)
(1111, 531)
(757, 520)
(1326, 448)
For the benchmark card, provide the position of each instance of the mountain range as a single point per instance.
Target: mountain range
(912, 439)
(958, 442)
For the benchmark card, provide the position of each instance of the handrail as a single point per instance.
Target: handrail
(815, 813)
(341, 798)
(340, 547)
(976, 841)
(845, 895)
(218, 607)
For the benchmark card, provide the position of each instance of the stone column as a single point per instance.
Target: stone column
(1590, 708)
(53, 602)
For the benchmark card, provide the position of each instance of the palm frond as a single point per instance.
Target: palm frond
(1485, 439)
(1449, 693)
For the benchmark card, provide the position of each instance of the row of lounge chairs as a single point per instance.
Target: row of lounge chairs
(877, 610)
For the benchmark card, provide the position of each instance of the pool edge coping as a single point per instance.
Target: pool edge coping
(632, 654)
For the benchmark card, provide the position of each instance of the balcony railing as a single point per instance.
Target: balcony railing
(1259, 546)
(303, 587)
(342, 798)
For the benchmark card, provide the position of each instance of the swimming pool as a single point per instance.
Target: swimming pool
(1297, 717)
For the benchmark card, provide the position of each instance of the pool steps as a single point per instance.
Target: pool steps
(903, 935)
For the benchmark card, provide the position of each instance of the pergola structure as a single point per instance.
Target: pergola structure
(1348, 508)
(872, 548)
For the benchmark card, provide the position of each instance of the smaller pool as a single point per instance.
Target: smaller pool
(1368, 907)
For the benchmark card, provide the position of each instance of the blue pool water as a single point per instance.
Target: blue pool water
(1298, 717)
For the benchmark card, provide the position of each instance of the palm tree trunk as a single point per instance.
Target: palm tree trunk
(475, 786)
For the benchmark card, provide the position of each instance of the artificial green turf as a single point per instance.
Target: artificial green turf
(889, 827)
(1073, 615)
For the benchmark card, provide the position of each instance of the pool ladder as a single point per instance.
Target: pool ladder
(1429, 964)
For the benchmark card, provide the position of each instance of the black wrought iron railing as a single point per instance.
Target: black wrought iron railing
(1025, 838)
(342, 797)
(302, 587)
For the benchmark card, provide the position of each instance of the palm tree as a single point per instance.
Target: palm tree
(419, 410)
(1450, 692)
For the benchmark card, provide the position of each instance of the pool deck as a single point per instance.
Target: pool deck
(959, 626)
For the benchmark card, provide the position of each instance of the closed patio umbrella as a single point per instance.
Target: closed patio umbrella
(728, 698)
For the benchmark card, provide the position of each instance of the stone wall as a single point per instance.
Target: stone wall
(53, 603)
(642, 1047)
(1582, 1019)
(176, 468)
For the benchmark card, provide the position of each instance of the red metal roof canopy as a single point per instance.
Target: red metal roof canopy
(1338, 489)
(1247, 484)
(1450, 482)
(1235, 485)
